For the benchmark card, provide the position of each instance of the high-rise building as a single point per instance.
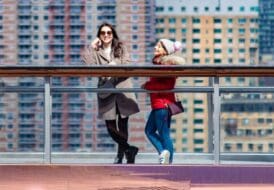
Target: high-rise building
(266, 31)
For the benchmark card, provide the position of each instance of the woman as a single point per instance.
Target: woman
(114, 108)
(158, 125)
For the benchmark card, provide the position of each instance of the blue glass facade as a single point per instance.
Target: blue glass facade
(266, 28)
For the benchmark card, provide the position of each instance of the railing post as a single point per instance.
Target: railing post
(216, 119)
(47, 120)
(210, 117)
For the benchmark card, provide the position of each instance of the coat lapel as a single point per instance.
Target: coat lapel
(102, 55)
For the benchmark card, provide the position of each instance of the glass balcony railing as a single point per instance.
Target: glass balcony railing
(228, 116)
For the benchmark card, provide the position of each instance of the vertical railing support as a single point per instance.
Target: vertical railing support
(47, 121)
(216, 119)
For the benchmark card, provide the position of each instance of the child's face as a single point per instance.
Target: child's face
(159, 50)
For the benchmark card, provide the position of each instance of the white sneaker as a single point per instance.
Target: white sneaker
(164, 157)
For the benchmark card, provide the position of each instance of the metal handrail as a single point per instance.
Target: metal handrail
(140, 70)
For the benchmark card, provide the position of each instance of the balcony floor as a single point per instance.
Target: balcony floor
(135, 177)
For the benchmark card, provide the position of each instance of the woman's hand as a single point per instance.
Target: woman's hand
(96, 43)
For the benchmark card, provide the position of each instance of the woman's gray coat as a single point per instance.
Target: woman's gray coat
(125, 102)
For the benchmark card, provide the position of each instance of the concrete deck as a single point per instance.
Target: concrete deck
(135, 177)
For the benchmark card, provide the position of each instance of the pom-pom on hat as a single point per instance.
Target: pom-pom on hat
(170, 46)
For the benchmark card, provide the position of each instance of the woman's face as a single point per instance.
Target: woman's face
(159, 50)
(106, 35)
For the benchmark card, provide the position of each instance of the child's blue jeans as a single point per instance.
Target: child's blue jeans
(158, 131)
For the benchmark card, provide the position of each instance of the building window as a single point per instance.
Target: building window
(198, 141)
(217, 20)
(242, 9)
(196, 20)
(135, 37)
(254, 20)
(245, 121)
(217, 31)
(241, 30)
(254, 9)
(198, 149)
(260, 147)
(172, 30)
(172, 20)
(159, 9)
(217, 41)
(135, 28)
(196, 41)
(217, 61)
(260, 120)
(241, 20)
(269, 120)
(229, 21)
(227, 80)
(135, 18)
(196, 31)
(198, 101)
(159, 30)
(196, 51)
(253, 30)
(242, 60)
(241, 50)
(227, 147)
(183, 20)
(170, 9)
(195, 9)
(183, 30)
(183, 9)
(196, 61)
(135, 8)
(198, 110)
(198, 121)
(250, 147)
(239, 147)
(159, 20)
(241, 40)
(217, 50)
(135, 47)
(230, 9)
(270, 147)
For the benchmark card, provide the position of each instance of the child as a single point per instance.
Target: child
(158, 125)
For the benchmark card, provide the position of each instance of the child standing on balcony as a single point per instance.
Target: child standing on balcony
(114, 108)
(157, 127)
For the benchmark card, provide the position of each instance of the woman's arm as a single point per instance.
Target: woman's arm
(88, 56)
(125, 57)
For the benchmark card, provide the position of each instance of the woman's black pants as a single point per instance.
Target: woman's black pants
(118, 130)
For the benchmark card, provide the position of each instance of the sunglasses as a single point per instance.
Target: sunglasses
(106, 32)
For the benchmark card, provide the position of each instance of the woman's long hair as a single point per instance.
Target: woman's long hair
(116, 45)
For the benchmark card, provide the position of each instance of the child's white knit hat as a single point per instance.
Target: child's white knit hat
(170, 46)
